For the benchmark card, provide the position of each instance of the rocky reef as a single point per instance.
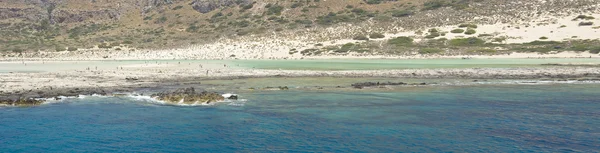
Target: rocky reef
(28, 98)
(188, 96)
(378, 84)
(19, 101)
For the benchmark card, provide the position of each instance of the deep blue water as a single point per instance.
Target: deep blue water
(507, 118)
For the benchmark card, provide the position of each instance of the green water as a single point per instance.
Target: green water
(371, 64)
(324, 64)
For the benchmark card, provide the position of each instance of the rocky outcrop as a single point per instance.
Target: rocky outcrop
(188, 96)
(205, 6)
(19, 101)
(37, 97)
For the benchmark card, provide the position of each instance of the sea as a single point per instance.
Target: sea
(493, 117)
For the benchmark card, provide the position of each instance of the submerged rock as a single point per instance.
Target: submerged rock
(375, 84)
(188, 96)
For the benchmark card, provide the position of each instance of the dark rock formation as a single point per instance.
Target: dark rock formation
(188, 96)
(34, 97)
(19, 101)
(375, 84)
(277, 88)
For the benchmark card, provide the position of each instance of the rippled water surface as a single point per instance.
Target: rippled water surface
(494, 118)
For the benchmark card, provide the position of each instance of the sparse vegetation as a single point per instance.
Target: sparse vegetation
(430, 51)
(470, 31)
(586, 23)
(583, 17)
(484, 51)
(457, 31)
(361, 37)
(402, 13)
(432, 35)
(60, 48)
(274, 10)
(401, 41)
(467, 42)
(468, 26)
(376, 36)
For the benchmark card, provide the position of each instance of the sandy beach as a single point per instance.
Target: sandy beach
(149, 74)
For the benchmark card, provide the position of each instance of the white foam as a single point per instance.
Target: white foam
(180, 103)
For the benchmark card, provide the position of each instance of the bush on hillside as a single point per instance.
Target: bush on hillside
(586, 23)
(470, 31)
(468, 26)
(60, 48)
(376, 36)
(467, 42)
(401, 41)
(361, 37)
(457, 31)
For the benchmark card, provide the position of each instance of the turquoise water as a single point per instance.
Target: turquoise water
(370, 64)
(494, 118)
(329, 64)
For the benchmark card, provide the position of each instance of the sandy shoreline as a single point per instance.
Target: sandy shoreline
(144, 75)
(129, 77)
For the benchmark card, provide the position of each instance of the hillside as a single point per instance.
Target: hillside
(295, 28)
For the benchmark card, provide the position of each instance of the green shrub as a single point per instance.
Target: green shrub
(434, 4)
(433, 30)
(249, 6)
(72, 49)
(595, 50)
(430, 51)
(401, 41)
(432, 35)
(295, 5)
(543, 43)
(333, 18)
(104, 45)
(470, 32)
(376, 36)
(467, 42)
(586, 23)
(60, 48)
(468, 26)
(361, 37)
(374, 1)
(583, 17)
(274, 9)
(580, 47)
(17, 50)
(543, 38)
(499, 39)
(346, 47)
(402, 13)
(177, 7)
(457, 31)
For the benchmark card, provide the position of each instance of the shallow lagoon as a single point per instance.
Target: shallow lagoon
(329, 64)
